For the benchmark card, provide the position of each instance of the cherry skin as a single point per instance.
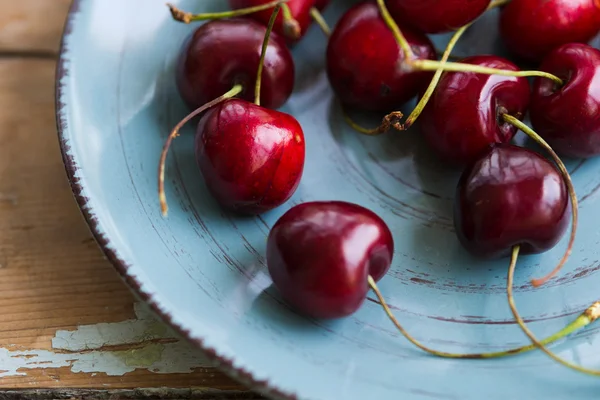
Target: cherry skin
(567, 117)
(320, 254)
(533, 28)
(436, 16)
(222, 53)
(463, 117)
(300, 10)
(251, 157)
(364, 62)
(510, 196)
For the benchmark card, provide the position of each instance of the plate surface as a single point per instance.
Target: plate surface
(204, 272)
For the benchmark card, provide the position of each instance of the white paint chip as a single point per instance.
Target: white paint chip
(82, 350)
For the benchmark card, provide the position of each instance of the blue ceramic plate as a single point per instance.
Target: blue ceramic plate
(203, 270)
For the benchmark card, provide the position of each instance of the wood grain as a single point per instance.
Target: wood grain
(31, 25)
(52, 274)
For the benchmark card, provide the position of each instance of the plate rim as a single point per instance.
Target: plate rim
(224, 363)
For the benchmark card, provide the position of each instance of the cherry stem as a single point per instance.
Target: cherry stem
(291, 27)
(435, 80)
(187, 17)
(573, 196)
(393, 119)
(590, 315)
(433, 65)
(400, 39)
(318, 18)
(235, 90)
(263, 53)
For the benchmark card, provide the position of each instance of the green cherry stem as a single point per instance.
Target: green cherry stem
(590, 315)
(263, 53)
(234, 91)
(400, 39)
(573, 196)
(586, 318)
(187, 17)
(318, 18)
(433, 65)
(500, 3)
(435, 80)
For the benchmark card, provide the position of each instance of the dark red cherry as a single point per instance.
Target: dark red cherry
(463, 117)
(510, 196)
(436, 16)
(222, 53)
(321, 4)
(533, 28)
(320, 254)
(300, 10)
(365, 64)
(567, 117)
(252, 158)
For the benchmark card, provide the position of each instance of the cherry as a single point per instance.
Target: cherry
(510, 196)
(436, 16)
(533, 28)
(292, 26)
(462, 118)
(321, 254)
(364, 61)
(222, 53)
(567, 116)
(251, 158)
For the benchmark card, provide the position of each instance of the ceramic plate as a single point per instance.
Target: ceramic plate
(203, 270)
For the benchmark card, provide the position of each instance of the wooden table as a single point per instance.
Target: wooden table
(67, 323)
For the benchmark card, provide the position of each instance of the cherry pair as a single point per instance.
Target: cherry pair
(251, 156)
(314, 270)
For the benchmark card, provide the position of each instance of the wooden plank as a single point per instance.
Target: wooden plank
(31, 25)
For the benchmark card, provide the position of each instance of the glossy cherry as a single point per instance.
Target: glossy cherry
(510, 196)
(463, 117)
(222, 53)
(567, 117)
(251, 158)
(533, 28)
(436, 16)
(364, 61)
(299, 10)
(320, 254)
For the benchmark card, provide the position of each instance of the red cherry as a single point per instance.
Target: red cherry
(364, 61)
(567, 117)
(436, 16)
(533, 28)
(320, 254)
(299, 9)
(463, 117)
(252, 158)
(222, 53)
(510, 196)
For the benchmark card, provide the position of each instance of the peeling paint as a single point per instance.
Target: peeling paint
(90, 337)
(83, 350)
